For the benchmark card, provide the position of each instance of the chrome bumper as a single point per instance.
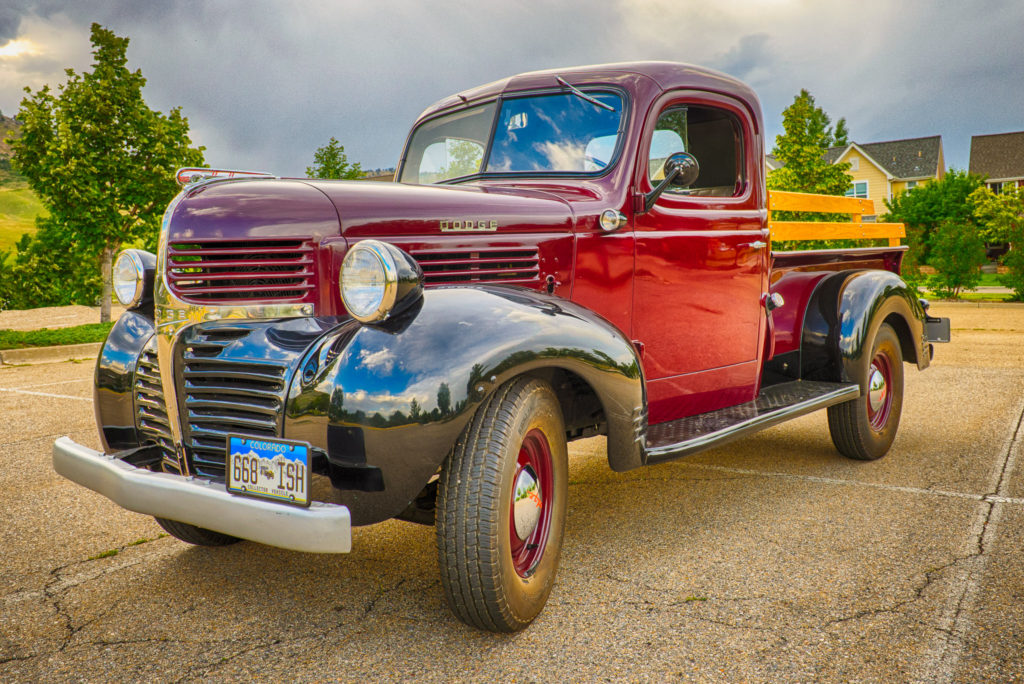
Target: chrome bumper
(321, 528)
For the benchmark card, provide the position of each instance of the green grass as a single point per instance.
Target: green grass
(18, 210)
(49, 337)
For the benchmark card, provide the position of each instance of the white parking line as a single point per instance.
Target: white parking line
(992, 498)
(48, 384)
(46, 394)
(955, 623)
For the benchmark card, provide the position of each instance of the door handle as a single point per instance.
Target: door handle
(757, 244)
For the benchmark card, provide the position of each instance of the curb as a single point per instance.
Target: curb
(66, 352)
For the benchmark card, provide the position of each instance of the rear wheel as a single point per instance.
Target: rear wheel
(864, 429)
(200, 536)
(501, 508)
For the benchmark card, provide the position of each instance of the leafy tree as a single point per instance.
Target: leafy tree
(444, 399)
(802, 147)
(1002, 220)
(958, 252)
(807, 137)
(101, 161)
(999, 216)
(330, 161)
(927, 206)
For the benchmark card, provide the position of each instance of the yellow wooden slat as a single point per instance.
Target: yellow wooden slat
(803, 230)
(801, 201)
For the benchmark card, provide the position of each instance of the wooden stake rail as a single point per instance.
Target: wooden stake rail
(856, 229)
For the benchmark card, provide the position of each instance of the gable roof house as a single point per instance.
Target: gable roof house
(884, 169)
(1000, 158)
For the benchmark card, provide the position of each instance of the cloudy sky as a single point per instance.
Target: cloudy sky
(265, 83)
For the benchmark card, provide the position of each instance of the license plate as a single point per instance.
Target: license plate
(269, 469)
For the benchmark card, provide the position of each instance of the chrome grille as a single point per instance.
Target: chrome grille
(226, 271)
(479, 265)
(226, 397)
(150, 409)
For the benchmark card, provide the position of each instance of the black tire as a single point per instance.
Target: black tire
(200, 536)
(864, 429)
(498, 554)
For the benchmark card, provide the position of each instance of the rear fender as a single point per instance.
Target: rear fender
(843, 316)
(392, 400)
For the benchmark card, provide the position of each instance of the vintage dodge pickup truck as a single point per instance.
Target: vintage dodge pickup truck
(565, 254)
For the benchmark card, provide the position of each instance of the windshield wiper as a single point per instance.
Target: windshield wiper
(580, 94)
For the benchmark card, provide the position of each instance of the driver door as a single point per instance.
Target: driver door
(701, 262)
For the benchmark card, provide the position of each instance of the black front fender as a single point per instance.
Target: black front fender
(392, 400)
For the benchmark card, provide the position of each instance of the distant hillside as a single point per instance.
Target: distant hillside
(7, 124)
(19, 206)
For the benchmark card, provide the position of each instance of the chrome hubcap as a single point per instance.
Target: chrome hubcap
(877, 389)
(528, 504)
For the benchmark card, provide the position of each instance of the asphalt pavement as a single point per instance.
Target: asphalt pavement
(770, 559)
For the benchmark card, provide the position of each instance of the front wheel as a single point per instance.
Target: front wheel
(864, 429)
(501, 508)
(200, 536)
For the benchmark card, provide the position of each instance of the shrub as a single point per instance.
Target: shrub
(958, 252)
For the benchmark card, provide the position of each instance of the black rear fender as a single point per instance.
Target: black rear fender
(843, 315)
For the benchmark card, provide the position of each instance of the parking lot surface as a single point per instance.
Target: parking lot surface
(772, 558)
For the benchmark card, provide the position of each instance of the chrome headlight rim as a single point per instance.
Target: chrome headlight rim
(402, 281)
(129, 294)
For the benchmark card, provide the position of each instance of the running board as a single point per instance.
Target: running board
(775, 404)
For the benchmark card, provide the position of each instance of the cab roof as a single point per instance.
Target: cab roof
(627, 75)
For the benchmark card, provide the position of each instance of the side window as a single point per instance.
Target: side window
(712, 136)
(450, 158)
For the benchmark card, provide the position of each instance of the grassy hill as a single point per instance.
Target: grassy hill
(18, 205)
(18, 210)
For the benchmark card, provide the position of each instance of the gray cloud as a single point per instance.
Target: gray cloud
(264, 83)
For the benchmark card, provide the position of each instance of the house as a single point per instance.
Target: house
(884, 169)
(999, 158)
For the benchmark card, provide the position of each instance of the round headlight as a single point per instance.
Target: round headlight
(129, 278)
(378, 280)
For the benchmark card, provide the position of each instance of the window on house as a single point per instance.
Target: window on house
(859, 189)
(911, 185)
(995, 187)
(854, 163)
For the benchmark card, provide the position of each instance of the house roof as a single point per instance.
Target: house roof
(910, 158)
(998, 156)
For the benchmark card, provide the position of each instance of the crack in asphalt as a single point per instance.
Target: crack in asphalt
(953, 630)
(207, 670)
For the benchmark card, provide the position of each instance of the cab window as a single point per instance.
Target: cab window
(712, 136)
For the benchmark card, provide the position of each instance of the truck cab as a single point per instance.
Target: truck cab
(565, 253)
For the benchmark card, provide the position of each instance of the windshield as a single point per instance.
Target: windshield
(536, 134)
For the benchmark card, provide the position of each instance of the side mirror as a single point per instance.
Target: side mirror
(681, 169)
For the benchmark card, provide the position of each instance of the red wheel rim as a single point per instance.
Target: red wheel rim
(879, 397)
(533, 467)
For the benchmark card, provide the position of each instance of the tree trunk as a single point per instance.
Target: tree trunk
(107, 269)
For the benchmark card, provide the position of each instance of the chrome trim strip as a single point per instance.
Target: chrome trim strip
(321, 528)
(173, 316)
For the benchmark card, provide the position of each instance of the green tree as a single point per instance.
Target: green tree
(1002, 219)
(958, 252)
(330, 161)
(802, 148)
(999, 216)
(927, 206)
(807, 137)
(444, 399)
(101, 161)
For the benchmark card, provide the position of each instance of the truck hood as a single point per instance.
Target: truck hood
(373, 209)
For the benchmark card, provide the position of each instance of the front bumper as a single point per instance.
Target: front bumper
(321, 528)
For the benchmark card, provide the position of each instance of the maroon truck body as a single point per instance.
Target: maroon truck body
(567, 253)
